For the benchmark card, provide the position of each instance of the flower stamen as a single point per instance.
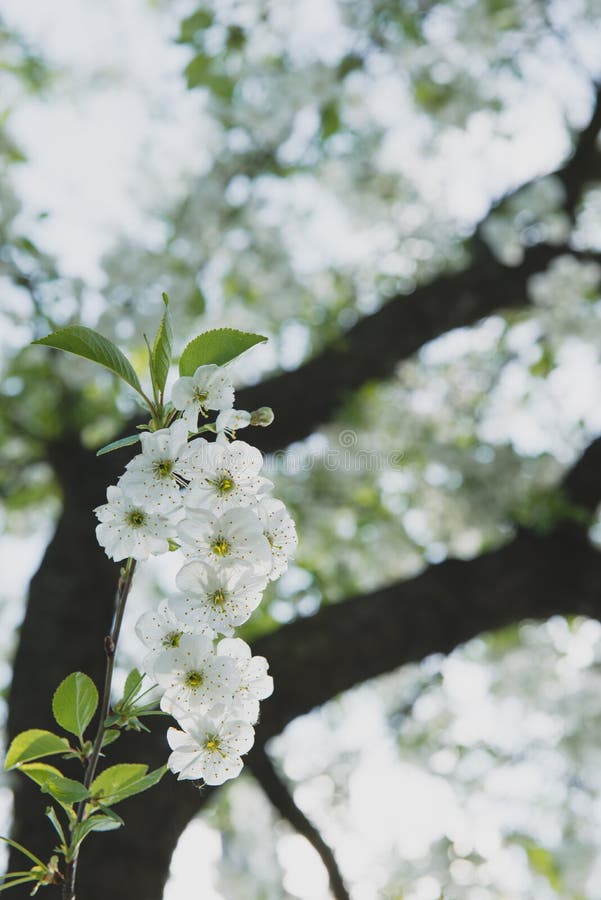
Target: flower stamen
(164, 468)
(136, 518)
(193, 680)
(172, 639)
(221, 547)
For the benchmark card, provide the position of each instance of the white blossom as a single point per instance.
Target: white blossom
(188, 462)
(127, 528)
(224, 476)
(209, 747)
(193, 677)
(162, 629)
(209, 388)
(220, 598)
(255, 683)
(150, 477)
(235, 537)
(229, 421)
(280, 531)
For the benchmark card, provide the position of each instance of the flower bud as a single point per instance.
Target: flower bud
(262, 416)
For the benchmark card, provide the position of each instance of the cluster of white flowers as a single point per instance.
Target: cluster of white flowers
(211, 499)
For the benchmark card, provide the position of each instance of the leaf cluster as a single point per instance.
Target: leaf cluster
(218, 347)
(86, 805)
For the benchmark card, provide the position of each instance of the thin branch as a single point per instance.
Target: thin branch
(110, 649)
(582, 166)
(582, 483)
(281, 798)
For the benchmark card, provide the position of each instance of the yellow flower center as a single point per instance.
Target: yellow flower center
(136, 518)
(193, 680)
(218, 597)
(164, 468)
(221, 547)
(172, 639)
(212, 744)
(225, 484)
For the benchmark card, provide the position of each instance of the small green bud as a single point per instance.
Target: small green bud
(262, 416)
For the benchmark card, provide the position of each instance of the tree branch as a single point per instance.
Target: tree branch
(281, 798)
(583, 166)
(309, 396)
(534, 576)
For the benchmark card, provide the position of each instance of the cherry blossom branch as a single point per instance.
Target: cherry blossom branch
(263, 769)
(235, 538)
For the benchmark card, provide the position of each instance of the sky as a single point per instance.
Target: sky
(116, 116)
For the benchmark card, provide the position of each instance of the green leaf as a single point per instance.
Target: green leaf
(74, 703)
(542, 862)
(219, 346)
(203, 71)
(124, 780)
(117, 445)
(330, 119)
(103, 823)
(133, 683)
(24, 851)
(53, 782)
(197, 302)
(190, 27)
(111, 735)
(97, 822)
(88, 343)
(33, 744)
(51, 814)
(545, 363)
(16, 881)
(109, 813)
(160, 357)
(349, 63)
(198, 70)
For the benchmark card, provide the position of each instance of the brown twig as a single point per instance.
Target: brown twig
(262, 768)
(110, 649)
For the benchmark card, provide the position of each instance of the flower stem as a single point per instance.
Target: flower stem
(110, 649)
